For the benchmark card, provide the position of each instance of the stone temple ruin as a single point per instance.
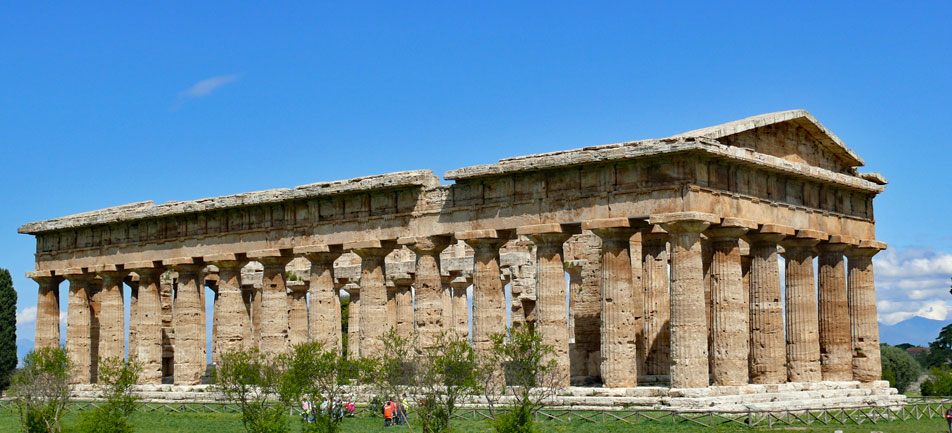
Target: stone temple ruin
(667, 249)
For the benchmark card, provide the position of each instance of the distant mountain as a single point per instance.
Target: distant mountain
(915, 330)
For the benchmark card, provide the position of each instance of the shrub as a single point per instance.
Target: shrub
(317, 374)
(41, 390)
(250, 378)
(939, 382)
(116, 377)
(899, 368)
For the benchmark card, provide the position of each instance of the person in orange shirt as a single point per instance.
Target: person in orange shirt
(388, 414)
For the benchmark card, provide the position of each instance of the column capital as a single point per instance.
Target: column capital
(770, 234)
(485, 239)
(804, 239)
(271, 257)
(319, 253)
(372, 248)
(614, 228)
(430, 245)
(78, 275)
(534, 229)
(837, 244)
(42, 278)
(684, 222)
(227, 261)
(730, 229)
(184, 264)
(866, 248)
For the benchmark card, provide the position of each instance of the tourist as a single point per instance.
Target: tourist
(306, 410)
(388, 413)
(948, 418)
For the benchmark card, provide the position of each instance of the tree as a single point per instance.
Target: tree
(8, 328)
(899, 368)
(116, 378)
(251, 379)
(529, 367)
(319, 375)
(940, 350)
(40, 390)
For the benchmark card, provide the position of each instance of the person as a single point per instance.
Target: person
(388, 413)
(351, 408)
(402, 410)
(306, 410)
(948, 418)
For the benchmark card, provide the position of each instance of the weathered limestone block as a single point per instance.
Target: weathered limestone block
(766, 313)
(188, 322)
(552, 317)
(619, 366)
(373, 295)
(112, 339)
(78, 326)
(689, 356)
(47, 310)
(324, 319)
(803, 340)
(657, 301)
(835, 346)
(729, 311)
(149, 323)
(429, 288)
(862, 305)
(274, 325)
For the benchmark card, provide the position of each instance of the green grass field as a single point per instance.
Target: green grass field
(226, 423)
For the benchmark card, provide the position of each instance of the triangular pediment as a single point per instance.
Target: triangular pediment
(793, 135)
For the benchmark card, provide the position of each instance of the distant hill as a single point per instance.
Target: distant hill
(915, 330)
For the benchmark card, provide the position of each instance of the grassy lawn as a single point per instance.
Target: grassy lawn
(225, 423)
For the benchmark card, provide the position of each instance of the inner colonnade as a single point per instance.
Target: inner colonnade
(669, 250)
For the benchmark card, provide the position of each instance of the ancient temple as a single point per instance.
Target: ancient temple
(646, 262)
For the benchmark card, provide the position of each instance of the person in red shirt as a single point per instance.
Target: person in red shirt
(948, 418)
(388, 413)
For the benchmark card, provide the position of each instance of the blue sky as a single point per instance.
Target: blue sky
(117, 103)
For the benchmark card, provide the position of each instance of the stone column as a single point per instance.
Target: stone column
(391, 306)
(729, 316)
(551, 308)
(689, 356)
(766, 310)
(324, 311)
(47, 310)
(78, 325)
(803, 339)
(429, 287)
(373, 294)
(835, 348)
(133, 284)
(862, 305)
(654, 243)
(404, 306)
(460, 307)
(353, 322)
(230, 313)
(297, 316)
(638, 301)
(619, 366)
(274, 301)
(446, 297)
(188, 322)
(112, 318)
(148, 322)
(95, 309)
(489, 296)
(212, 284)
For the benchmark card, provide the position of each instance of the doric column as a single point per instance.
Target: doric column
(835, 354)
(446, 298)
(148, 322)
(729, 312)
(391, 306)
(689, 356)
(803, 339)
(862, 302)
(460, 307)
(78, 325)
(654, 244)
(133, 283)
(766, 309)
(188, 321)
(297, 315)
(489, 297)
(274, 300)
(211, 283)
(551, 309)
(353, 322)
(324, 310)
(373, 294)
(112, 318)
(619, 367)
(635, 258)
(429, 287)
(404, 305)
(95, 308)
(230, 313)
(47, 309)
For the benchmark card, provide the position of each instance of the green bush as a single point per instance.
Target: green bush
(117, 377)
(517, 420)
(249, 378)
(939, 382)
(899, 368)
(41, 390)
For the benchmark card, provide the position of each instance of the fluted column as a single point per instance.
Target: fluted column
(188, 322)
(635, 256)
(148, 322)
(446, 297)
(619, 366)
(489, 297)
(862, 305)
(353, 322)
(835, 354)
(230, 313)
(112, 318)
(274, 301)
(729, 312)
(133, 316)
(428, 316)
(391, 306)
(47, 310)
(404, 307)
(803, 339)
(460, 307)
(551, 309)
(324, 310)
(373, 294)
(689, 355)
(78, 326)
(654, 244)
(297, 316)
(766, 309)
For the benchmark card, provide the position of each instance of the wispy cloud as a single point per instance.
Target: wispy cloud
(26, 315)
(204, 88)
(913, 282)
